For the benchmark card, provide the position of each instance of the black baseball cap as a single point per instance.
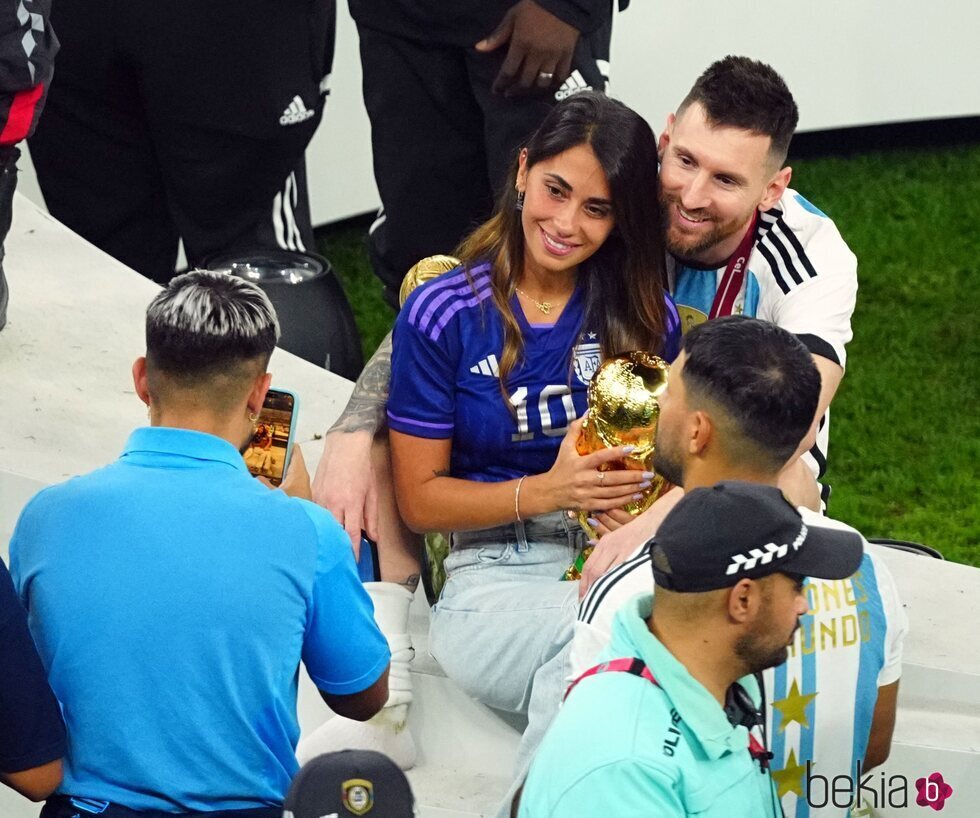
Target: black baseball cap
(717, 535)
(350, 782)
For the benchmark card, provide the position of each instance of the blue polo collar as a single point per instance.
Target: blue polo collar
(695, 705)
(183, 444)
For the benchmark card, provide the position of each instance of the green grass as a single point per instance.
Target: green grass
(905, 435)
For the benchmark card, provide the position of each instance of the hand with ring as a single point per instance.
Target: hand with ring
(540, 49)
(576, 481)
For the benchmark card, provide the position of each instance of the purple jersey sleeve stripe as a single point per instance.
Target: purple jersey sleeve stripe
(436, 303)
(445, 296)
(440, 284)
(424, 424)
(447, 316)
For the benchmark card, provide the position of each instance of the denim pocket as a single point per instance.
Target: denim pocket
(498, 552)
(469, 559)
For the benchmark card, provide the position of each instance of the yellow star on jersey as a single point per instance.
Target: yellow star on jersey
(790, 778)
(793, 707)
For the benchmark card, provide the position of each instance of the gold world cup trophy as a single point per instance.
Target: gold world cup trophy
(623, 411)
(425, 270)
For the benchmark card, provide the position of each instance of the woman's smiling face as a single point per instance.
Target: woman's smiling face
(567, 211)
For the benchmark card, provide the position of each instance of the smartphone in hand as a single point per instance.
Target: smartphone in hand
(271, 446)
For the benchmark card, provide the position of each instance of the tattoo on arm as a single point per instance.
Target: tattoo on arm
(366, 408)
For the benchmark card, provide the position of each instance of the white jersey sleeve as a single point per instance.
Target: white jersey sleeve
(897, 622)
(593, 628)
(807, 276)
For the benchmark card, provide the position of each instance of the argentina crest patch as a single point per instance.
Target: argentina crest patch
(588, 356)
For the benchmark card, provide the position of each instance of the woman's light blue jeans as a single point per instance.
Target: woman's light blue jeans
(504, 618)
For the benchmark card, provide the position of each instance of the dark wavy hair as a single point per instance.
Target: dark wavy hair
(624, 279)
(761, 377)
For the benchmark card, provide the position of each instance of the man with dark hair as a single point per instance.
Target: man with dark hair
(172, 596)
(739, 395)
(759, 380)
(666, 724)
(741, 242)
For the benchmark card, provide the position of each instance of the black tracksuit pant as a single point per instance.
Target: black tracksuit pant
(184, 120)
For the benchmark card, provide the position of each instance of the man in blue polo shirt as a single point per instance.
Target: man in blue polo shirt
(665, 724)
(172, 596)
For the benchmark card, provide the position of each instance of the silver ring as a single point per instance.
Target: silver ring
(545, 77)
(602, 476)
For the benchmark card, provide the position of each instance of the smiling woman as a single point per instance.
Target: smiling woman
(489, 373)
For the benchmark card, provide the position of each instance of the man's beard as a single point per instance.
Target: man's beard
(756, 650)
(670, 468)
(757, 657)
(684, 246)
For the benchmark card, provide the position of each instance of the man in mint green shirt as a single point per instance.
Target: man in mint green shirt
(668, 724)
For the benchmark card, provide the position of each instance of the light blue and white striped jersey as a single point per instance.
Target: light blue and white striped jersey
(801, 276)
(821, 700)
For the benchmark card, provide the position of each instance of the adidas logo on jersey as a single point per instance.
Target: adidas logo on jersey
(575, 83)
(488, 366)
(296, 112)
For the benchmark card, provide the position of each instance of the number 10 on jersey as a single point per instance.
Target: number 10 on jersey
(557, 395)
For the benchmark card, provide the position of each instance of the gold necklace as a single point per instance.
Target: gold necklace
(543, 306)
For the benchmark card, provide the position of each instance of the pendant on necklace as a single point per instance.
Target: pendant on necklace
(543, 306)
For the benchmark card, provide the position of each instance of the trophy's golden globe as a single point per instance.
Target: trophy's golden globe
(623, 411)
(425, 270)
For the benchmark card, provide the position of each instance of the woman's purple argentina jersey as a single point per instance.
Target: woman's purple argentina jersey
(447, 343)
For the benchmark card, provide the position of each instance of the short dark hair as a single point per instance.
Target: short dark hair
(205, 323)
(761, 377)
(737, 92)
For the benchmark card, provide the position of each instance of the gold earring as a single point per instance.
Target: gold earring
(253, 417)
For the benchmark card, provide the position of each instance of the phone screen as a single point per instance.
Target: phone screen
(268, 451)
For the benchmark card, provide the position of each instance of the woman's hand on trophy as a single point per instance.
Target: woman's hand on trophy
(611, 520)
(577, 482)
